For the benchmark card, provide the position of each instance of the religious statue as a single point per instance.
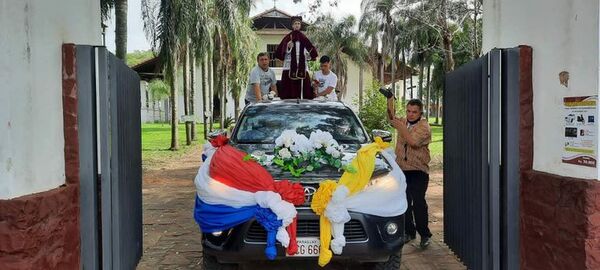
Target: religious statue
(293, 50)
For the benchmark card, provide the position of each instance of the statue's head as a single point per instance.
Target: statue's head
(296, 23)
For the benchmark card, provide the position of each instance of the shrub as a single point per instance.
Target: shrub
(373, 112)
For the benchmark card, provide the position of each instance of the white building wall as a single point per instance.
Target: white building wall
(564, 37)
(31, 116)
(353, 84)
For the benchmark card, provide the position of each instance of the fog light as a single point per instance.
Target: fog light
(391, 228)
(217, 234)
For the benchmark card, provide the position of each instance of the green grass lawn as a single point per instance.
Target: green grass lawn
(437, 141)
(156, 141)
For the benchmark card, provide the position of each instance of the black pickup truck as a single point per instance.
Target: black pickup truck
(370, 239)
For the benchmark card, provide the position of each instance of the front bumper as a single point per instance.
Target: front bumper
(366, 239)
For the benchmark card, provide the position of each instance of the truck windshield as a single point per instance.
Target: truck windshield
(263, 124)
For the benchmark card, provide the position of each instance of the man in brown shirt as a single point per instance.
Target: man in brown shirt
(412, 155)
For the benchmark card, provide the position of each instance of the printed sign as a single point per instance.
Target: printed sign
(580, 131)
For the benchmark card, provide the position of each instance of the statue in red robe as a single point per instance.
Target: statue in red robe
(293, 50)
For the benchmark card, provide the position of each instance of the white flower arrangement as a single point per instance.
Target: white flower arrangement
(321, 139)
(298, 154)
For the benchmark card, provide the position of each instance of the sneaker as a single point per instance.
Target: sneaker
(425, 241)
(386, 92)
(408, 238)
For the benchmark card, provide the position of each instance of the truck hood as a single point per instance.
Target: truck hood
(326, 172)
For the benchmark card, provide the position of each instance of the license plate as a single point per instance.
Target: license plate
(307, 247)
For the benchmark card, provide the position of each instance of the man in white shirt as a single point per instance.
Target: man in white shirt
(261, 80)
(325, 80)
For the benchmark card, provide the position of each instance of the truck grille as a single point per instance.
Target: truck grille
(353, 231)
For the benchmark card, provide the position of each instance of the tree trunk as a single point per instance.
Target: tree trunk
(404, 75)
(428, 100)
(211, 85)
(153, 111)
(448, 54)
(421, 71)
(382, 70)
(394, 69)
(446, 38)
(236, 109)
(186, 94)
(121, 29)
(476, 50)
(223, 96)
(360, 87)
(174, 122)
(204, 95)
(437, 108)
(193, 93)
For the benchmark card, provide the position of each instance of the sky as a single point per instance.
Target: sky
(136, 38)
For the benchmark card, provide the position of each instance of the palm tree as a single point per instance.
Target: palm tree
(121, 29)
(120, 7)
(175, 23)
(369, 30)
(338, 40)
(186, 90)
(234, 48)
(379, 12)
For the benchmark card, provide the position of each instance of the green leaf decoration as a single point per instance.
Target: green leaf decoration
(337, 163)
(248, 157)
(310, 168)
(278, 161)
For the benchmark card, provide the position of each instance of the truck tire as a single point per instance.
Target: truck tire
(393, 263)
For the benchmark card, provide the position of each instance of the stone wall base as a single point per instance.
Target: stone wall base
(560, 222)
(41, 231)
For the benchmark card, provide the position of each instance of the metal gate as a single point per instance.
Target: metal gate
(110, 160)
(481, 161)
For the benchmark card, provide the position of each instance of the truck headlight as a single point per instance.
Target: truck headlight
(217, 234)
(391, 228)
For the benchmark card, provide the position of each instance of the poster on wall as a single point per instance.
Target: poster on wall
(581, 138)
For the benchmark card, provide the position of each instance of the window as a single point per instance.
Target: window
(263, 124)
(271, 48)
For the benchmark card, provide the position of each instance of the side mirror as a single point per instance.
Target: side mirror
(385, 135)
(217, 133)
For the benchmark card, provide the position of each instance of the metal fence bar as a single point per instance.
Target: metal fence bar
(127, 163)
(481, 165)
(510, 171)
(110, 160)
(88, 163)
(104, 130)
(495, 158)
(465, 162)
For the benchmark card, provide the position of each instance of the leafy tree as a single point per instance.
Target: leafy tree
(172, 27)
(159, 90)
(377, 18)
(338, 40)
